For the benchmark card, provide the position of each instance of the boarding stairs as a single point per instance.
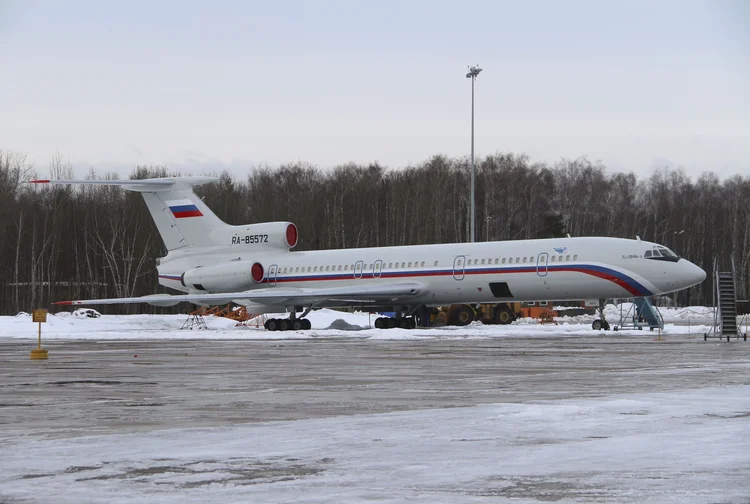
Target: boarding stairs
(725, 305)
(646, 311)
(642, 313)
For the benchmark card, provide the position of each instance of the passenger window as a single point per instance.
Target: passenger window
(403, 265)
(559, 258)
(315, 268)
(567, 258)
(435, 263)
(482, 261)
(497, 260)
(531, 259)
(422, 265)
(390, 265)
(503, 260)
(524, 260)
(575, 257)
(552, 259)
(296, 270)
(410, 264)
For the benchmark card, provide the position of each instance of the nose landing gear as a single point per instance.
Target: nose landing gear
(601, 322)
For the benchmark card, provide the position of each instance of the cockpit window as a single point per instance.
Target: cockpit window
(668, 253)
(661, 254)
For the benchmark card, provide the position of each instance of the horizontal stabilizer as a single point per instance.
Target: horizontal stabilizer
(142, 185)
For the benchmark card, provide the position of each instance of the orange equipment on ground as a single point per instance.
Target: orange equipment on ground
(237, 313)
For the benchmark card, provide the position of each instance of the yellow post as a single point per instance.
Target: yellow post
(39, 316)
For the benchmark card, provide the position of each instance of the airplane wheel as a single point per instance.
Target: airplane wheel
(596, 325)
(391, 323)
(404, 323)
(307, 325)
(462, 316)
(412, 323)
(503, 314)
(272, 324)
(284, 325)
(380, 323)
(296, 324)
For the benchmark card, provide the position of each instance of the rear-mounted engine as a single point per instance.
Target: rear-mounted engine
(232, 276)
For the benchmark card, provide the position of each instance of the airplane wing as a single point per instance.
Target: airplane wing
(275, 296)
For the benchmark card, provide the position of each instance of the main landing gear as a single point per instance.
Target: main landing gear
(406, 317)
(290, 324)
(394, 322)
(600, 323)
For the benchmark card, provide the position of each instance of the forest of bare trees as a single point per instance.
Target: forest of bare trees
(63, 242)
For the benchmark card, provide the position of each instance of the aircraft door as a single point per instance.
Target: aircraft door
(272, 271)
(358, 267)
(458, 267)
(377, 269)
(541, 264)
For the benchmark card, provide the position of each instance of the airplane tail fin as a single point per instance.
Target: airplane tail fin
(183, 220)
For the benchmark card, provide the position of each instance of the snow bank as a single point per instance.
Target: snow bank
(325, 323)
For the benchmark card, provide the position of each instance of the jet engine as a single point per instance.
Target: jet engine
(226, 277)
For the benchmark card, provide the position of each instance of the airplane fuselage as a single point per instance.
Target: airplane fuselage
(523, 270)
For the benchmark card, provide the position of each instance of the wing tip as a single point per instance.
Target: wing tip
(68, 303)
(39, 181)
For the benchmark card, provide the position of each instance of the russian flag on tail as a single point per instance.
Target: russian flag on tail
(184, 208)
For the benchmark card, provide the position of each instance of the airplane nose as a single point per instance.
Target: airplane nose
(693, 274)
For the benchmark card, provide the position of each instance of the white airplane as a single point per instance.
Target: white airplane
(213, 263)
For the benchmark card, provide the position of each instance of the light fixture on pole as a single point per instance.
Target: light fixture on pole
(473, 72)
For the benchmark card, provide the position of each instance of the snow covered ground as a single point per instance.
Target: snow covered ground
(88, 426)
(690, 322)
(687, 447)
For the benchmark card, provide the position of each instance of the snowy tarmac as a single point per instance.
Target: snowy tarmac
(517, 414)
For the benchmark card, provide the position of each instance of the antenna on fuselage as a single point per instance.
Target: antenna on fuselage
(637, 237)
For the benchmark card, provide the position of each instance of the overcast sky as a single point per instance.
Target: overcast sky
(227, 84)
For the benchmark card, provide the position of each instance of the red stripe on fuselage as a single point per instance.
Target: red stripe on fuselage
(368, 275)
(605, 276)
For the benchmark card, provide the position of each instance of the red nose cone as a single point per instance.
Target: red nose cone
(291, 235)
(256, 271)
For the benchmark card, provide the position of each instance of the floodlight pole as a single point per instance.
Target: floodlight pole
(473, 72)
